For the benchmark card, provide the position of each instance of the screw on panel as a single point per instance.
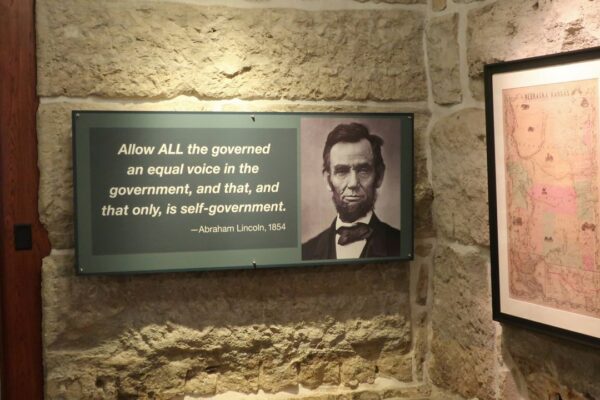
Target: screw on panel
(254, 263)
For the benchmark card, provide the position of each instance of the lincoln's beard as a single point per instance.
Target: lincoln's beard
(350, 212)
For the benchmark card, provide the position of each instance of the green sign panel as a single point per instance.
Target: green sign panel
(168, 191)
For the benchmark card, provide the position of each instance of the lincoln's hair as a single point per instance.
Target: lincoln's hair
(354, 133)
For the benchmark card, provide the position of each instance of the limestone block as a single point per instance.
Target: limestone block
(416, 392)
(316, 371)
(440, 394)
(370, 343)
(278, 374)
(443, 55)
(244, 378)
(111, 337)
(423, 216)
(200, 383)
(396, 367)
(421, 347)
(376, 392)
(56, 184)
(552, 366)
(423, 249)
(325, 397)
(163, 49)
(366, 395)
(508, 388)
(422, 284)
(393, 1)
(459, 172)
(355, 370)
(515, 29)
(463, 343)
(438, 5)
(322, 397)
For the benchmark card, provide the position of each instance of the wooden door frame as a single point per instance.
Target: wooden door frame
(20, 270)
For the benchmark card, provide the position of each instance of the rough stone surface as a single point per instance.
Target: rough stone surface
(421, 345)
(443, 55)
(508, 388)
(420, 309)
(423, 216)
(440, 394)
(514, 29)
(162, 49)
(393, 1)
(462, 346)
(55, 159)
(438, 5)
(423, 249)
(396, 368)
(459, 172)
(55, 202)
(422, 285)
(206, 333)
(551, 366)
(365, 392)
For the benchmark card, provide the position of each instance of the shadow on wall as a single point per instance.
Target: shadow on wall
(548, 367)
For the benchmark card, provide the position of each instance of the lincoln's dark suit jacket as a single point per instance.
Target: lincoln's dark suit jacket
(384, 242)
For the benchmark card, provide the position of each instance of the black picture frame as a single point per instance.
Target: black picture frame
(526, 274)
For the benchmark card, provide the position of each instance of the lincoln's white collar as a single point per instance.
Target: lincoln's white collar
(365, 220)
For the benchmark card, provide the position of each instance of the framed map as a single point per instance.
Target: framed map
(544, 192)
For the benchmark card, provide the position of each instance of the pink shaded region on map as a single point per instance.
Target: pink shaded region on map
(589, 262)
(558, 199)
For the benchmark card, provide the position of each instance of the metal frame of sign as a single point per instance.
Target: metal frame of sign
(148, 199)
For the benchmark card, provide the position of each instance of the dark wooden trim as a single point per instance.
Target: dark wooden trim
(20, 271)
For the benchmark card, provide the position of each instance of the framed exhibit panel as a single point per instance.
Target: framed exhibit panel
(543, 169)
(169, 191)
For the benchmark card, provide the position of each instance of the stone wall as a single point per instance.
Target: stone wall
(471, 355)
(406, 330)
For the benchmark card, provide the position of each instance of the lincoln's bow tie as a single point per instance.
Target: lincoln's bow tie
(354, 233)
